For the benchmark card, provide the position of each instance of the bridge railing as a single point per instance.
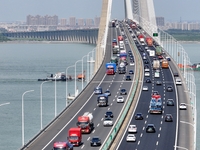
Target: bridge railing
(179, 56)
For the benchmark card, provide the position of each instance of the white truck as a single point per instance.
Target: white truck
(156, 64)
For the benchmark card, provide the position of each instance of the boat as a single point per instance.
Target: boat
(196, 67)
(72, 97)
(81, 77)
(60, 76)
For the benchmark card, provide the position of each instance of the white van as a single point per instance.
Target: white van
(157, 75)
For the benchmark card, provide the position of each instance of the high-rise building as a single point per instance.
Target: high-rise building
(160, 21)
(96, 21)
(81, 22)
(42, 20)
(72, 21)
(63, 22)
(89, 22)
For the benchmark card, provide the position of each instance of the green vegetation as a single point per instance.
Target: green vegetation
(3, 38)
(185, 35)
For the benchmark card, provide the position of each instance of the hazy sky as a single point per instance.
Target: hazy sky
(17, 10)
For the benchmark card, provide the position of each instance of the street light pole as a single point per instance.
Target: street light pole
(41, 103)
(23, 115)
(75, 75)
(66, 82)
(55, 99)
(82, 69)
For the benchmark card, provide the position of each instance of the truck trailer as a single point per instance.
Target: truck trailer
(156, 64)
(85, 122)
(149, 41)
(75, 136)
(155, 106)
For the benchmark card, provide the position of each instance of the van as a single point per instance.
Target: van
(157, 75)
(178, 81)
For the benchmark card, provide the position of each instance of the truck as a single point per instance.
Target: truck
(75, 136)
(141, 37)
(85, 122)
(156, 64)
(165, 63)
(122, 69)
(110, 68)
(149, 41)
(158, 50)
(102, 100)
(114, 42)
(155, 106)
(113, 23)
(114, 60)
(115, 49)
(62, 146)
(120, 38)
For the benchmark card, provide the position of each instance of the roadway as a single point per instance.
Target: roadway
(87, 102)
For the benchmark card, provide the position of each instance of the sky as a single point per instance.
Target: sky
(17, 10)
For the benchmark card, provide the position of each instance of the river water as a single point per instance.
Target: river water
(21, 64)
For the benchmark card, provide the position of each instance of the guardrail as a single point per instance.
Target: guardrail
(133, 90)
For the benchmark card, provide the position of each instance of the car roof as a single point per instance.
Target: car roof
(132, 125)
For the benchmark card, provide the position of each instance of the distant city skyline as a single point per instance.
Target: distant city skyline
(169, 9)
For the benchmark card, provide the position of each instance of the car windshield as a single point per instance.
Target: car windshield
(82, 123)
(95, 139)
(58, 148)
(73, 138)
(123, 90)
(107, 118)
(109, 113)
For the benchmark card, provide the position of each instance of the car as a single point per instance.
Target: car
(130, 52)
(132, 128)
(169, 88)
(98, 90)
(157, 70)
(120, 99)
(128, 77)
(132, 63)
(146, 74)
(150, 128)
(144, 57)
(160, 57)
(123, 92)
(168, 58)
(146, 61)
(109, 114)
(178, 81)
(148, 80)
(95, 141)
(158, 82)
(168, 118)
(107, 92)
(170, 102)
(155, 93)
(182, 106)
(146, 68)
(131, 72)
(146, 47)
(145, 88)
(176, 74)
(130, 138)
(108, 122)
(138, 116)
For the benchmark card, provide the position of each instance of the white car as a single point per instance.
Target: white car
(130, 138)
(178, 81)
(146, 74)
(182, 106)
(145, 88)
(132, 63)
(120, 99)
(107, 122)
(132, 128)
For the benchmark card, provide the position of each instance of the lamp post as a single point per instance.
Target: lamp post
(82, 69)
(75, 75)
(23, 115)
(89, 62)
(41, 103)
(66, 81)
(55, 99)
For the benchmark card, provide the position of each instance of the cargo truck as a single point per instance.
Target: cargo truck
(156, 64)
(120, 38)
(114, 43)
(85, 122)
(115, 49)
(155, 106)
(165, 63)
(114, 60)
(102, 100)
(158, 50)
(149, 41)
(110, 68)
(75, 136)
(62, 146)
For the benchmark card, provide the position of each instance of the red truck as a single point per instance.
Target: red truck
(62, 146)
(85, 122)
(120, 38)
(75, 136)
(110, 68)
(149, 41)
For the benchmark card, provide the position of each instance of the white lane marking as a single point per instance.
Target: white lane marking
(147, 116)
(98, 124)
(93, 131)
(82, 146)
(157, 143)
(113, 100)
(88, 138)
(160, 128)
(101, 119)
(158, 135)
(95, 108)
(138, 143)
(109, 108)
(161, 122)
(111, 104)
(143, 128)
(141, 134)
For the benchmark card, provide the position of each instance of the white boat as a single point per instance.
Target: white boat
(72, 97)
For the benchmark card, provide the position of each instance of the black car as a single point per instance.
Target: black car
(169, 88)
(107, 92)
(150, 128)
(123, 92)
(146, 61)
(176, 74)
(168, 118)
(170, 102)
(138, 116)
(109, 114)
(95, 141)
(130, 52)
(148, 80)
(131, 72)
(155, 93)
(128, 77)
